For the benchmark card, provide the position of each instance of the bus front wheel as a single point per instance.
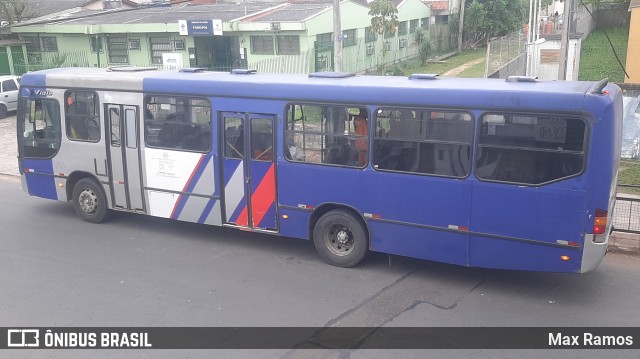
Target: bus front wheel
(89, 201)
(340, 239)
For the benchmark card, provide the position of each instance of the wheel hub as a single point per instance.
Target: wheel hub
(88, 201)
(342, 237)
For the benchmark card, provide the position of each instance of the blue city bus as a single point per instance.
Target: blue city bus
(512, 174)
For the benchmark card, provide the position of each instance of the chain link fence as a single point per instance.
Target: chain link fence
(506, 55)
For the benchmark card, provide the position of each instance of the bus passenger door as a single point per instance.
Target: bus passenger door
(124, 157)
(249, 170)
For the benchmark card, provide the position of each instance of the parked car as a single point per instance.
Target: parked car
(8, 94)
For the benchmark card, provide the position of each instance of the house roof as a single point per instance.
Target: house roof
(44, 7)
(151, 14)
(438, 5)
(634, 3)
(291, 12)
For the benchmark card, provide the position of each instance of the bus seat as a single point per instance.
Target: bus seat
(93, 130)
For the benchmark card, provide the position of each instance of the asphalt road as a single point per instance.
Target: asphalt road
(56, 270)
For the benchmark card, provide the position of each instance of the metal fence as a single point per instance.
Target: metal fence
(626, 213)
(505, 55)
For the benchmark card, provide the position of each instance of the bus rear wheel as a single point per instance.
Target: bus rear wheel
(89, 201)
(340, 239)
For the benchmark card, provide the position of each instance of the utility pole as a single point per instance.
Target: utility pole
(564, 45)
(460, 25)
(337, 37)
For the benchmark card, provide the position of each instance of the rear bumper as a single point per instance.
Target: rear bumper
(593, 253)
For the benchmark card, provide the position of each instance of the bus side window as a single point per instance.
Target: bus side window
(81, 115)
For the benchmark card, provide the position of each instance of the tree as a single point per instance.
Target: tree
(13, 11)
(384, 20)
(484, 19)
(423, 43)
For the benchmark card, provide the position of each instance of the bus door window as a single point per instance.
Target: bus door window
(114, 124)
(261, 139)
(132, 129)
(234, 137)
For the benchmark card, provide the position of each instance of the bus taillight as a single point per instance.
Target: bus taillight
(600, 222)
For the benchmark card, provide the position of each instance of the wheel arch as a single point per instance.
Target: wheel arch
(76, 176)
(324, 208)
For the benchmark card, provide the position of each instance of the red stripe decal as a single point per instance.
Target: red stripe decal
(263, 197)
(175, 205)
(243, 218)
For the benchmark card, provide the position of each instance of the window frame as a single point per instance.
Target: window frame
(286, 131)
(158, 45)
(96, 107)
(291, 46)
(349, 41)
(113, 45)
(585, 119)
(22, 116)
(96, 45)
(324, 41)
(258, 44)
(412, 28)
(403, 28)
(471, 143)
(191, 123)
(49, 43)
(370, 36)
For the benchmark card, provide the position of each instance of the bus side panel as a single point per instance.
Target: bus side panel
(533, 221)
(604, 161)
(505, 254)
(405, 240)
(39, 178)
(180, 185)
(429, 215)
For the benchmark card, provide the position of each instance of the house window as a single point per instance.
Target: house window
(413, 25)
(118, 52)
(134, 44)
(324, 41)
(370, 36)
(389, 32)
(158, 46)
(425, 23)
(288, 44)
(179, 45)
(262, 45)
(402, 28)
(96, 44)
(349, 38)
(49, 44)
(33, 43)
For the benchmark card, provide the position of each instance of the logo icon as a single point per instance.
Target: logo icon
(23, 338)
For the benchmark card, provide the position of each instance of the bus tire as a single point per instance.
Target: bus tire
(340, 239)
(89, 201)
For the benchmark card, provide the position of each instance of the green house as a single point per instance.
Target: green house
(269, 37)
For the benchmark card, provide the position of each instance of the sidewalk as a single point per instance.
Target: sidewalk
(8, 146)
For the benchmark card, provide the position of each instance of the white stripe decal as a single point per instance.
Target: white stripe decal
(234, 190)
